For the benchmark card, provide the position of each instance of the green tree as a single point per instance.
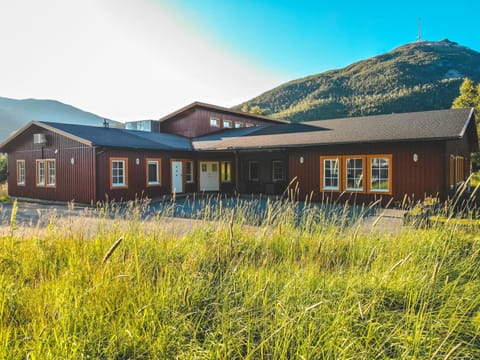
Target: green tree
(3, 168)
(256, 110)
(468, 97)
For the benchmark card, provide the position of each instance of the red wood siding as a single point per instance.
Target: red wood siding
(137, 173)
(73, 182)
(196, 122)
(426, 177)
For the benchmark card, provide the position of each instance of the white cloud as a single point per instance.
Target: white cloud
(121, 59)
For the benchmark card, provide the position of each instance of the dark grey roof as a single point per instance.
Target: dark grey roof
(100, 136)
(418, 126)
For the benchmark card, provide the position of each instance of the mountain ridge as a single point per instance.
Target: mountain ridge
(15, 113)
(417, 76)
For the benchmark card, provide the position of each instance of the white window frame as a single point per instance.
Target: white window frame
(338, 177)
(124, 183)
(389, 172)
(238, 125)
(230, 122)
(357, 188)
(158, 164)
(21, 172)
(214, 122)
(51, 178)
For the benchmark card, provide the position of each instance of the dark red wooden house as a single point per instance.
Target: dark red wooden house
(204, 147)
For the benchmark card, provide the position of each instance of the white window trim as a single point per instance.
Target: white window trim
(214, 122)
(21, 183)
(355, 189)
(123, 184)
(370, 159)
(228, 122)
(330, 188)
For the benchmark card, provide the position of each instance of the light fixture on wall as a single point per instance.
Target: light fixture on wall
(137, 161)
(302, 160)
(56, 151)
(72, 161)
(415, 157)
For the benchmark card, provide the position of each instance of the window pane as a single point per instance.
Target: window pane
(41, 173)
(226, 171)
(189, 171)
(153, 172)
(118, 172)
(51, 172)
(379, 174)
(278, 171)
(330, 174)
(253, 170)
(355, 174)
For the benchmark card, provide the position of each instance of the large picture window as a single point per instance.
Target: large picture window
(154, 172)
(46, 172)
(21, 172)
(354, 173)
(118, 172)
(330, 171)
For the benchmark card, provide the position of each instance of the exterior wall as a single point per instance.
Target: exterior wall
(265, 183)
(137, 173)
(426, 177)
(196, 122)
(73, 181)
(456, 148)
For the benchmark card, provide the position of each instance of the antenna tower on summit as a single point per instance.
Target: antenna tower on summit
(419, 35)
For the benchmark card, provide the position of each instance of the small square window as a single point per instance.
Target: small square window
(227, 124)
(238, 125)
(214, 122)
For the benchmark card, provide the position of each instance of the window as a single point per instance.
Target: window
(45, 172)
(238, 125)
(214, 122)
(452, 171)
(40, 173)
(153, 172)
(226, 171)
(253, 171)
(460, 167)
(51, 173)
(248, 125)
(354, 173)
(380, 174)
(278, 171)
(189, 171)
(330, 170)
(118, 172)
(21, 172)
(227, 124)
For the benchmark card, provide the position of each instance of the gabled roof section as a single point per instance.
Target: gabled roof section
(417, 126)
(110, 137)
(220, 109)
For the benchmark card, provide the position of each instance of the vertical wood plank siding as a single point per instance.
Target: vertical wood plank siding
(196, 122)
(426, 177)
(73, 182)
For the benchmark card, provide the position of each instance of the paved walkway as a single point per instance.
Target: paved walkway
(34, 214)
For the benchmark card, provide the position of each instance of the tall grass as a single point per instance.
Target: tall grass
(288, 286)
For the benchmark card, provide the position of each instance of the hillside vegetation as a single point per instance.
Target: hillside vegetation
(313, 287)
(414, 77)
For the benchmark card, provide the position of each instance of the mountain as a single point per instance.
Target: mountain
(414, 77)
(16, 113)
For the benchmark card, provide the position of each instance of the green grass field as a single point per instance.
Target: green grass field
(223, 289)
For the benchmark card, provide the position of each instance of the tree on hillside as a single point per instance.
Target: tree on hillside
(470, 97)
(253, 110)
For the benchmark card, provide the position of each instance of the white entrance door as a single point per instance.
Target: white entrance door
(209, 177)
(177, 176)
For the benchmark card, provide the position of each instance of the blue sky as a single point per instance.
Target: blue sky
(141, 59)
